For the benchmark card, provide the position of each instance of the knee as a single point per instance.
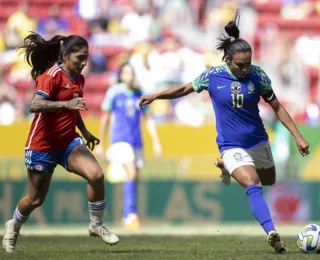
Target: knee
(97, 177)
(132, 175)
(35, 202)
(132, 171)
(251, 181)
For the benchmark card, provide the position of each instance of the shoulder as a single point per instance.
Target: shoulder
(50, 74)
(258, 72)
(261, 78)
(115, 89)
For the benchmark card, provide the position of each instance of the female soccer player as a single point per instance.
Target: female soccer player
(57, 102)
(122, 102)
(235, 89)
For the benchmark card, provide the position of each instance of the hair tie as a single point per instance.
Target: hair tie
(232, 38)
(61, 42)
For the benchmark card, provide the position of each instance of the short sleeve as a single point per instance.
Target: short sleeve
(45, 86)
(108, 101)
(265, 84)
(202, 82)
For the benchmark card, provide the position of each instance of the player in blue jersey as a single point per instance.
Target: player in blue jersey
(235, 89)
(122, 103)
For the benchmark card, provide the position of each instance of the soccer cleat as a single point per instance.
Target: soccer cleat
(225, 176)
(131, 223)
(10, 238)
(105, 234)
(275, 241)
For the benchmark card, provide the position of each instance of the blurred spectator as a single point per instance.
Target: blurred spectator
(8, 99)
(53, 24)
(20, 22)
(136, 23)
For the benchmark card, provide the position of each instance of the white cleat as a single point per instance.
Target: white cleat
(10, 239)
(105, 234)
(225, 176)
(276, 242)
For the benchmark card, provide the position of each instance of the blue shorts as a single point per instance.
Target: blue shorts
(47, 161)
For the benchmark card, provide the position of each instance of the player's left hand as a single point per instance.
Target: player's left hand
(302, 145)
(91, 140)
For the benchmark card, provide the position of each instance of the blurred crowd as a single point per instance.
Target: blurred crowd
(168, 42)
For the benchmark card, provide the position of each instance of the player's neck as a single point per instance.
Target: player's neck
(70, 73)
(129, 86)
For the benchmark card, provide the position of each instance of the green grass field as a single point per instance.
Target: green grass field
(152, 248)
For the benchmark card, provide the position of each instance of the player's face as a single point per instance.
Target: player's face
(240, 64)
(76, 61)
(127, 75)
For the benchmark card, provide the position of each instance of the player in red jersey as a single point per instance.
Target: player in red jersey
(57, 102)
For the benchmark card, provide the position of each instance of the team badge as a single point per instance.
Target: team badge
(39, 168)
(235, 87)
(238, 157)
(251, 88)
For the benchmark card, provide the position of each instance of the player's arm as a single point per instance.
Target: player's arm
(90, 138)
(152, 131)
(170, 93)
(39, 103)
(80, 124)
(105, 121)
(288, 122)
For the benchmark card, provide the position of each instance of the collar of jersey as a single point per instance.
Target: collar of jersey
(69, 76)
(229, 71)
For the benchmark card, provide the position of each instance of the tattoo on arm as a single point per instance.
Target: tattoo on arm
(40, 104)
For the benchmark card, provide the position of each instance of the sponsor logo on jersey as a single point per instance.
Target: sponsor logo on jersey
(220, 87)
(235, 87)
(251, 88)
(67, 86)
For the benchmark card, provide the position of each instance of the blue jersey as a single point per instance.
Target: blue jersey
(235, 102)
(126, 114)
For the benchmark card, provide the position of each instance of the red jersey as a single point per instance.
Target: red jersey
(53, 131)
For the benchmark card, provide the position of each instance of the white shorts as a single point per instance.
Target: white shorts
(259, 157)
(124, 153)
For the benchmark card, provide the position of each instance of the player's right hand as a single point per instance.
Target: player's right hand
(146, 100)
(302, 145)
(76, 104)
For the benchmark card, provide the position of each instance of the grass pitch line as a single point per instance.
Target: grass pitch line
(162, 229)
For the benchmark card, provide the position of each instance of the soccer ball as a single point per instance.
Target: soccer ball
(308, 239)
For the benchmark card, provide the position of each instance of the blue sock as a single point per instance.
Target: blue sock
(129, 198)
(259, 207)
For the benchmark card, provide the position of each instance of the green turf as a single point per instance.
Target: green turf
(152, 248)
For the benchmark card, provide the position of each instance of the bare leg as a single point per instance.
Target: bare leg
(83, 163)
(38, 186)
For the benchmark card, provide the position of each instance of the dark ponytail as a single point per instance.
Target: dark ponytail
(233, 43)
(41, 54)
